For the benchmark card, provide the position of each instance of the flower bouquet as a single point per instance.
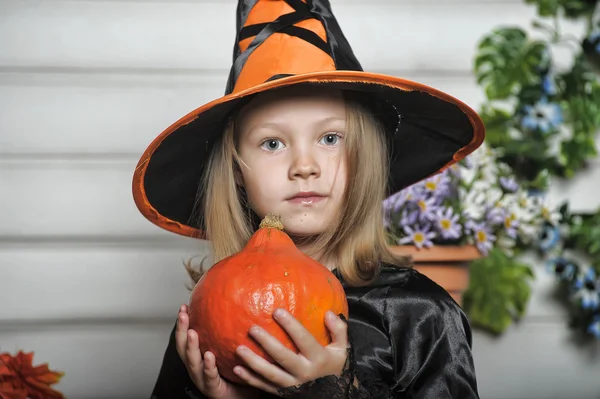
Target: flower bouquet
(476, 202)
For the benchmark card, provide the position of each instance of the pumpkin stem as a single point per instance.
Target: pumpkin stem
(271, 220)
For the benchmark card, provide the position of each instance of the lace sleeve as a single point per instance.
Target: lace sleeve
(351, 384)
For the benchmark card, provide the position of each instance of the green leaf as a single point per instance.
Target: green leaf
(595, 247)
(576, 153)
(506, 60)
(545, 8)
(498, 293)
(497, 124)
(577, 8)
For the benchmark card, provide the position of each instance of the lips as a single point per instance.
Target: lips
(306, 197)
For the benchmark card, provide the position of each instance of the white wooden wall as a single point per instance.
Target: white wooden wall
(85, 85)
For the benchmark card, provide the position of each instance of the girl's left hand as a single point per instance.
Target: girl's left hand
(313, 361)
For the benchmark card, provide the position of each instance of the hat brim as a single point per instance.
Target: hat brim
(435, 130)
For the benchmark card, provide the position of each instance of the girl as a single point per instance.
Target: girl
(310, 136)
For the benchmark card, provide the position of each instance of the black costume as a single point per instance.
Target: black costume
(409, 339)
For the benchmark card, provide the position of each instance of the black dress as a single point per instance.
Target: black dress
(409, 339)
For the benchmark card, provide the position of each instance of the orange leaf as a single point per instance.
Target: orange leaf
(4, 370)
(36, 380)
(12, 388)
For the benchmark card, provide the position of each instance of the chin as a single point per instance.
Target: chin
(303, 230)
(302, 222)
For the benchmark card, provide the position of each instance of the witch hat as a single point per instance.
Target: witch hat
(281, 43)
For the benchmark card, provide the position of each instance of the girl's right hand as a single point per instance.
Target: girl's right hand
(203, 370)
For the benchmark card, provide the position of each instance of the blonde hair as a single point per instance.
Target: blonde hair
(356, 240)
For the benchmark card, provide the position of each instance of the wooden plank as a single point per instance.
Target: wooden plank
(97, 113)
(70, 199)
(536, 361)
(100, 361)
(71, 281)
(192, 35)
(129, 355)
(93, 199)
(457, 2)
(87, 282)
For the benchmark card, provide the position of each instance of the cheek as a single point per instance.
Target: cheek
(262, 183)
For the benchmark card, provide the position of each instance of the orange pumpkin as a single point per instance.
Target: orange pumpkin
(244, 289)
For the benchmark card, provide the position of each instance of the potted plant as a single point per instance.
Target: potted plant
(471, 214)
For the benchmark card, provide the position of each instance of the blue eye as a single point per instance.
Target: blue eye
(330, 139)
(272, 144)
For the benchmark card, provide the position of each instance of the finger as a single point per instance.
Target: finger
(304, 340)
(194, 358)
(253, 380)
(268, 371)
(212, 378)
(181, 332)
(338, 330)
(285, 357)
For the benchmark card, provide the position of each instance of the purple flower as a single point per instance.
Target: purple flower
(483, 237)
(509, 184)
(420, 236)
(447, 222)
(496, 215)
(408, 217)
(588, 290)
(408, 195)
(511, 224)
(390, 201)
(437, 185)
(427, 208)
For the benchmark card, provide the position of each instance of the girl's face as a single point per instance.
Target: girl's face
(292, 148)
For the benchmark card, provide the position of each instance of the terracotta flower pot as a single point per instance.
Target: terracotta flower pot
(446, 265)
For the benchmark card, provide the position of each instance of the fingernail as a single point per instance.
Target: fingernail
(182, 308)
(242, 349)
(279, 313)
(330, 315)
(255, 330)
(237, 370)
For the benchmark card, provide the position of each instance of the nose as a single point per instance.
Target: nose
(304, 166)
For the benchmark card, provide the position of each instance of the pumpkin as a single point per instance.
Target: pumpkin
(244, 289)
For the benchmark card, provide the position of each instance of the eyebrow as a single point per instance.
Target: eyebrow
(276, 125)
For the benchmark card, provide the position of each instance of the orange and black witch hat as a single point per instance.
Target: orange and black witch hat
(281, 43)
